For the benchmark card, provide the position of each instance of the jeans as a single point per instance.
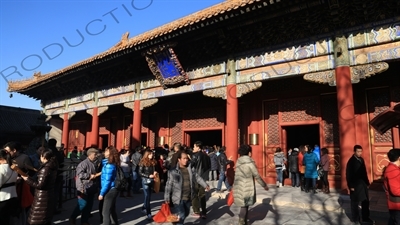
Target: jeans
(212, 175)
(101, 204)
(182, 210)
(58, 191)
(109, 211)
(199, 200)
(355, 214)
(394, 218)
(222, 178)
(325, 179)
(295, 179)
(128, 176)
(279, 175)
(243, 214)
(7, 208)
(310, 183)
(302, 181)
(84, 207)
(147, 189)
(136, 181)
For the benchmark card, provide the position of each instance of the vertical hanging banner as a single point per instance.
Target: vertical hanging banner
(165, 66)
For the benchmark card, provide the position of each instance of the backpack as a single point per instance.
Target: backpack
(121, 182)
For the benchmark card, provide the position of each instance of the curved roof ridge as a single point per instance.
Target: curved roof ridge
(126, 42)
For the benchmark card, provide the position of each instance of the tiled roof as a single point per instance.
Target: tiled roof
(17, 120)
(126, 42)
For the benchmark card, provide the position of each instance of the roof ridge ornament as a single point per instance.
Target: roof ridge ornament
(122, 43)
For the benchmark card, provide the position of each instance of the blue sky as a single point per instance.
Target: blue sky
(30, 29)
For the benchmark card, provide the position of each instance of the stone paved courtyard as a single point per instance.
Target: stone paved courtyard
(278, 206)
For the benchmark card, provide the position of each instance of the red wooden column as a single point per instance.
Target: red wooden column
(137, 124)
(254, 128)
(395, 131)
(94, 134)
(231, 122)
(65, 131)
(345, 106)
(232, 113)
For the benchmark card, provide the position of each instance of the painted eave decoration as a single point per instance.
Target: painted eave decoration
(165, 66)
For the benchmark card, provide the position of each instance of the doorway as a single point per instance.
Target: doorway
(143, 139)
(207, 137)
(103, 141)
(302, 135)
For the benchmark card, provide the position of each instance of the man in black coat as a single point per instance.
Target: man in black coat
(135, 159)
(200, 164)
(294, 167)
(357, 181)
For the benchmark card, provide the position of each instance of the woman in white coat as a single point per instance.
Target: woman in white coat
(244, 189)
(8, 192)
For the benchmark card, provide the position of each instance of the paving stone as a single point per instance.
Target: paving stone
(278, 206)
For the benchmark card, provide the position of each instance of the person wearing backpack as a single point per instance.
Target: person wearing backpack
(147, 171)
(108, 192)
(86, 185)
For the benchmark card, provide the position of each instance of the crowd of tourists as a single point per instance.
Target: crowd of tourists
(305, 166)
(31, 185)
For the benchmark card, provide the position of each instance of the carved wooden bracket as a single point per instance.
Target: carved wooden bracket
(243, 89)
(70, 115)
(216, 92)
(147, 103)
(324, 77)
(143, 103)
(129, 105)
(357, 73)
(89, 111)
(100, 110)
(367, 70)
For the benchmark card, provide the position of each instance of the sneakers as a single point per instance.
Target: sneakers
(196, 215)
(144, 211)
(149, 217)
(277, 184)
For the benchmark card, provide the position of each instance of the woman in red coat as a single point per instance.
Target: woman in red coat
(392, 186)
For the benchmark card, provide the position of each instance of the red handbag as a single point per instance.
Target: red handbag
(164, 215)
(229, 199)
(24, 194)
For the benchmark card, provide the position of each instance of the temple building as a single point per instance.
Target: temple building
(270, 73)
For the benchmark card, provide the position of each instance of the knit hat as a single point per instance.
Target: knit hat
(296, 149)
(92, 150)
